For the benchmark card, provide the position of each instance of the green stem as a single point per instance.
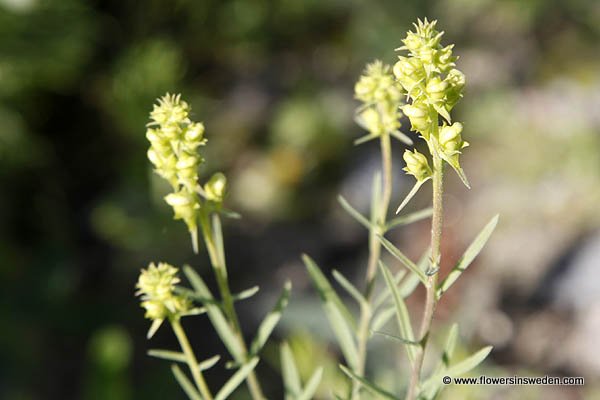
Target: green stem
(431, 299)
(374, 255)
(218, 263)
(192, 362)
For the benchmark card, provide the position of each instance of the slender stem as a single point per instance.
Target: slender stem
(431, 300)
(218, 263)
(374, 255)
(192, 362)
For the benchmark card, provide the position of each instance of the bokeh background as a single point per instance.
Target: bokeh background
(81, 212)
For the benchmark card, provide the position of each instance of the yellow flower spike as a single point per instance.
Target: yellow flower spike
(156, 286)
(174, 142)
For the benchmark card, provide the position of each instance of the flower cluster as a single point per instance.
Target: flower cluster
(381, 95)
(174, 142)
(431, 81)
(156, 287)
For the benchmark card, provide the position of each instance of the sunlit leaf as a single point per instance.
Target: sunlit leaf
(291, 377)
(268, 324)
(371, 387)
(236, 379)
(340, 319)
(185, 383)
(469, 255)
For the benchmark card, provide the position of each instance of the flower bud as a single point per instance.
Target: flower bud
(418, 116)
(450, 138)
(215, 187)
(416, 165)
(436, 89)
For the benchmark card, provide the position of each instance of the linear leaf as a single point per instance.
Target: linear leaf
(185, 383)
(312, 385)
(382, 318)
(397, 339)
(459, 368)
(218, 235)
(412, 281)
(353, 213)
(402, 137)
(268, 324)
(245, 294)
(208, 363)
(236, 379)
(371, 387)
(404, 324)
(167, 355)
(291, 378)
(216, 315)
(340, 319)
(350, 288)
(411, 194)
(409, 218)
(403, 259)
(385, 294)
(469, 255)
(365, 138)
(153, 328)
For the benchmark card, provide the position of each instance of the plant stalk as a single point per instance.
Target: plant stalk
(431, 299)
(220, 268)
(192, 362)
(374, 255)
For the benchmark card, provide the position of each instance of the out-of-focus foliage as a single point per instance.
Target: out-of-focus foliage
(80, 211)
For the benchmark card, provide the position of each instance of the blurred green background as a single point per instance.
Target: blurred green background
(81, 212)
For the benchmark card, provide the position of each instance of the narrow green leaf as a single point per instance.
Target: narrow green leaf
(365, 138)
(236, 379)
(404, 324)
(371, 387)
(355, 214)
(397, 339)
(411, 194)
(450, 344)
(185, 383)
(468, 257)
(268, 324)
(340, 319)
(458, 369)
(350, 288)
(291, 378)
(215, 315)
(167, 355)
(385, 294)
(208, 363)
(312, 385)
(245, 294)
(403, 259)
(402, 137)
(218, 235)
(412, 281)
(383, 317)
(409, 218)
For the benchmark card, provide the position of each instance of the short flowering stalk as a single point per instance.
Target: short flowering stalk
(156, 286)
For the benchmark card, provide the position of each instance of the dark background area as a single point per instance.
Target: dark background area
(81, 212)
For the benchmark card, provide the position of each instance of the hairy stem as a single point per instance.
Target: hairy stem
(192, 362)
(217, 261)
(431, 299)
(374, 255)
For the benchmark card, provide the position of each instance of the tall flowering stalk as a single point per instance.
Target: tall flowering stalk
(425, 86)
(175, 141)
